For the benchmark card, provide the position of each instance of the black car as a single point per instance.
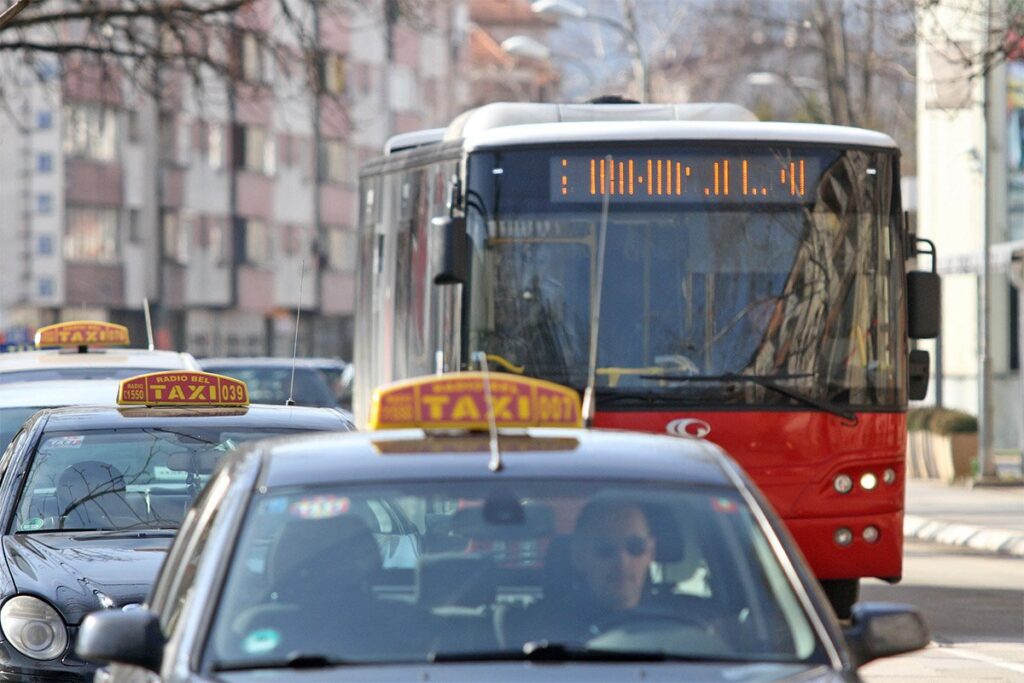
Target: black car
(522, 555)
(270, 380)
(91, 498)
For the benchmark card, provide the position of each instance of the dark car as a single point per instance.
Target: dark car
(519, 554)
(92, 496)
(270, 380)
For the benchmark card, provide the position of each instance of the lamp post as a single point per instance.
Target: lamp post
(570, 10)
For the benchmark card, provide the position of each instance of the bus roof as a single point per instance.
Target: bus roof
(641, 131)
(503, 114)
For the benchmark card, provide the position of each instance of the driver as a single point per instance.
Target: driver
(610, 558)
(612, 551)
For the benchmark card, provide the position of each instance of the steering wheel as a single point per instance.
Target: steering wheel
(657, 629)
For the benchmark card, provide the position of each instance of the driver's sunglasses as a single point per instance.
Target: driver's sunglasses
(635, 546)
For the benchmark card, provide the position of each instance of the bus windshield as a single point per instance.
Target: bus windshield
(772, 263)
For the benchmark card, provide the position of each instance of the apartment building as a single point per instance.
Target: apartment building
(228, 205)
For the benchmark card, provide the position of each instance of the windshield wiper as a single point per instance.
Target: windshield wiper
(612, 395)
(156, 532)
(295, 661)
(56, 531)
(768, 382)
(543, 651)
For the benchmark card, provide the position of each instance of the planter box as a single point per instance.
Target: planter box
(940, 456)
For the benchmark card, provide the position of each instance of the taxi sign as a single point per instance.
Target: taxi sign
(182, 388)
(459, 401)
(82, 333)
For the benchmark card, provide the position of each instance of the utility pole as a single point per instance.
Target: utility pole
(994, 108)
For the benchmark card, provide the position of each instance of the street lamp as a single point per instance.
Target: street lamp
(531, 48)
(525, 46)
(570, 10)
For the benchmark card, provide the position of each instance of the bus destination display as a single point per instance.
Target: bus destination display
(693, 178)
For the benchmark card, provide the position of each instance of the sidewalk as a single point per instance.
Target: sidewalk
(987, 519)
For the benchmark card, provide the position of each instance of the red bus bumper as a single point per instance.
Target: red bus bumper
(829, 560)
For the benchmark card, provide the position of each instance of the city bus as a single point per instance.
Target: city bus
(689, 270)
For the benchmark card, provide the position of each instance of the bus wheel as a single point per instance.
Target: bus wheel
(842, 593)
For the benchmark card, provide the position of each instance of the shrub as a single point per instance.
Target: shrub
(941, 421)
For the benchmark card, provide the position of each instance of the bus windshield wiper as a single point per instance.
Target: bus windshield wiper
(768, 382)
(607, 395)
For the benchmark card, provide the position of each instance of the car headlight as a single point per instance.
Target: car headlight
(33, 627)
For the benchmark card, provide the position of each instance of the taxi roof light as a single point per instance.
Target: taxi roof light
(182, 388)
(458, 400)
(81, 334)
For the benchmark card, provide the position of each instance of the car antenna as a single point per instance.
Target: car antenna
(494, 465)
(295, 344)
(589, 396)
(149, 323)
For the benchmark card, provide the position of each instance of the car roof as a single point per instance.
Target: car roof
(55, 392)
(410, 454)
(253, 416)
(49, 359)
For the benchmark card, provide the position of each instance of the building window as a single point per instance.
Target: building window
(44, 162)
(44, 120)
(135, 226)
(175, 237)
(46, 287)
(44, 203)
(90, 132)
(336, 162)
(168, 130)
(257, 151)
(91, 235)
(255, 242)
(210, 237)
(44, 245)
(214, 146)
(332, 73)
(134, 126)
(341, 251)
(255, 64)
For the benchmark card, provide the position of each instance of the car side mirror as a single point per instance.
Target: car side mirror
(924, 303)
(881, 629)
(451, 259)
(114, 636)
(918, 370)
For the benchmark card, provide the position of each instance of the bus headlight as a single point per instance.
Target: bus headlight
(33, 627)
(843, 483)
(889, 475)
(868, 481)
(870, 534)
(843, 536)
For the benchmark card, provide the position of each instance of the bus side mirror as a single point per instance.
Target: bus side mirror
(451, 258)
(924, 296)
(918, 367)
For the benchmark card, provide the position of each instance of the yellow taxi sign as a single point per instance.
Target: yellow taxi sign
(82, 333)
(182, 388)
(459, 401)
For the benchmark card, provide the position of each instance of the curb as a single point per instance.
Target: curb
(993, 541)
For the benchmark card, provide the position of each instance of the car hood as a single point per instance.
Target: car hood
(72, 569)
(545, 673)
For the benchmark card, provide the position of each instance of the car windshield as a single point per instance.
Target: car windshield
(272, 384)
(505, 570)
(122, 479)
(90, 372)
(11, 420)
